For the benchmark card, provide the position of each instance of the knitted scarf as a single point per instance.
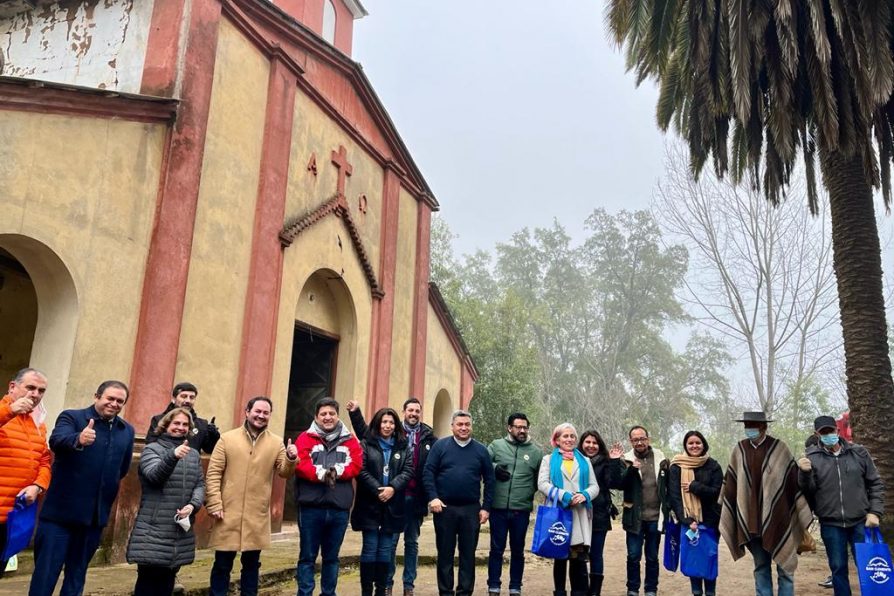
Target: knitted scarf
(387, 446)
(583, 478)
(329, 437)
(692, 506)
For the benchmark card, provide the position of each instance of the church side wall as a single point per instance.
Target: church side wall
(89, 43)
(211, 330)
(86, 188)
(442, 366)
(404, 292)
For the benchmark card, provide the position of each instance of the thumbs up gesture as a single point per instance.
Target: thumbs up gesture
(182, 450)
(88, 435)
(291, 450)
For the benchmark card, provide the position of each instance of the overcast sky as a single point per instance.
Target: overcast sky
(516, 112)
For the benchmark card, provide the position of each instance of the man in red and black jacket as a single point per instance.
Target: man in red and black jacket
(329, 458)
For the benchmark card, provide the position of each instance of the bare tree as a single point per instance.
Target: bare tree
(761, 277)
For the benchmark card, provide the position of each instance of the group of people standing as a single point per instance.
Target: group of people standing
(402, 472)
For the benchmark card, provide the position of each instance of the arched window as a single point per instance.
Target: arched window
(329, 21)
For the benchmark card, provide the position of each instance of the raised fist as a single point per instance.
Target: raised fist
(88, 435)
(804, 464)
(23, 405)
(352, 405)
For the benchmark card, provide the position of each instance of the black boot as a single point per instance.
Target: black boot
(367, 577)
(560, 593)
(577, 571)
(380, 578)
(595, 584)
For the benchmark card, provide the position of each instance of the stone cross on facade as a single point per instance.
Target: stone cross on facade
(340, 159)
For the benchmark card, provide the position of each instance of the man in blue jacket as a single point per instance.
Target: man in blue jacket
(93, 449)
(455, 469)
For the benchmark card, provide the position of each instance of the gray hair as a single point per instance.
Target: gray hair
(460, 414)
(20, 376)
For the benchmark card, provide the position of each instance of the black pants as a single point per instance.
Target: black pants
(457, 525)
(223, 565)
(575, 567)
(154, 581)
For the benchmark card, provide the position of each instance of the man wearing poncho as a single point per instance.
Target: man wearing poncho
(763, 508)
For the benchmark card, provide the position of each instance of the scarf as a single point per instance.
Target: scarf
(387, 446)
(412, 431)
(692, 506)
(329, 437)
(557, 480)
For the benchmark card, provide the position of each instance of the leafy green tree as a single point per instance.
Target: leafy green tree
(756, 86)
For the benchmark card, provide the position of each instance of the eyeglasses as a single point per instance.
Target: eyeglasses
(516, 427)
(640, 440)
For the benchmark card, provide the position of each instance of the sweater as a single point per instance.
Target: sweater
(453, 474)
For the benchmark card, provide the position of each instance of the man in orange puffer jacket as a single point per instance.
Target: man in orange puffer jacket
(24, 455)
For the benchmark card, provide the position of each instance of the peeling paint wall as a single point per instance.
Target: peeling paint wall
(92, 43)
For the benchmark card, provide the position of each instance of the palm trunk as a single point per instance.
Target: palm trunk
(858, 270)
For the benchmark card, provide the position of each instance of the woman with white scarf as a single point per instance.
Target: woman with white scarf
(571, 472)
(695, 481)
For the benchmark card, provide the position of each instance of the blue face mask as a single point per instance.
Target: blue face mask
(752, 433)
(829, 440)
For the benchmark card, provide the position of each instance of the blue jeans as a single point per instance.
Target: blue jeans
(763, 573)
(837, 541)
(57, 546)
(597, 547)
(648, 539)
(223, 565)
(411, 547)
(377, 546)
(513, 522)
(322, 532)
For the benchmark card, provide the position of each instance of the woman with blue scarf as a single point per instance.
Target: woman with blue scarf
(379, 505)
(571, 473)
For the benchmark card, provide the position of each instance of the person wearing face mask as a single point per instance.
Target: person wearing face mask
(516, 461)
(24, 455)
(379, 508)
(693, 488)
(764, 510)
(173, 486)
(847, 494)
(571, 473)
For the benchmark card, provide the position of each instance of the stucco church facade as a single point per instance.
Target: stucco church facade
(210, 190)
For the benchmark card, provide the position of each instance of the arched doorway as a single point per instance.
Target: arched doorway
(442, 413)
(323, 355)
(40, 291)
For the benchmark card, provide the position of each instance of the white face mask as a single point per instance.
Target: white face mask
(183, 522)
(39, 414)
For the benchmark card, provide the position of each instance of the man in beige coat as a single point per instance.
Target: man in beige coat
(237, 489)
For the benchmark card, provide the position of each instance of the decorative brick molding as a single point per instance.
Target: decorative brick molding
(336, 205)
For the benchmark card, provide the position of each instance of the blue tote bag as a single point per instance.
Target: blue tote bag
(671, 545)
(874, 565)
(698, 555)
(552, 529)
(19, 527)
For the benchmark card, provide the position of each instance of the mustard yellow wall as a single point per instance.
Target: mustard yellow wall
(404, 282)
(443, 370)
(211, 331)
(315, 132)
(85, 191)
(317, 250)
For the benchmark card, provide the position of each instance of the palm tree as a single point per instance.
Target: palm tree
(755, 85)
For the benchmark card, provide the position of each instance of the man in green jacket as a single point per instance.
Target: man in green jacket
(516, 465)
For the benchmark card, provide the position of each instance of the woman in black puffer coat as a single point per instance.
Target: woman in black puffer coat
(173, 488)
(379, 507)
(608, 469)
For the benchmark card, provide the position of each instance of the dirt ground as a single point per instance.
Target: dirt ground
(735, 577)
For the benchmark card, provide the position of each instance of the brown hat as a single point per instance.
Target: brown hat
(754, 417)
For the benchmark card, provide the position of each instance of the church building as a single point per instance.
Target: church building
(211, 191)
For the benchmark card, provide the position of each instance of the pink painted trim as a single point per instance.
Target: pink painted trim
(420, 301)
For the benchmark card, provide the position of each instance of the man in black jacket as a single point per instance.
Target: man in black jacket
(847, 494)
(204, 435)
(420, 438)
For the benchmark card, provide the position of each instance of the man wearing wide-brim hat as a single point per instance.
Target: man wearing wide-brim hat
(847, 493)
(763, 507)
